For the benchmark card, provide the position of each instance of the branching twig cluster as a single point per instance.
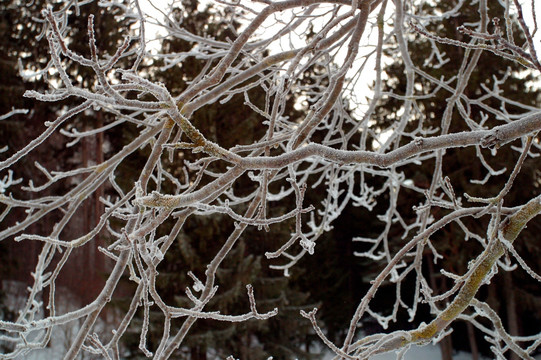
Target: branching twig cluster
(335, 149)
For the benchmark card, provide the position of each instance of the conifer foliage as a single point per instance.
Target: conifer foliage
(506, 77)
(229, 124)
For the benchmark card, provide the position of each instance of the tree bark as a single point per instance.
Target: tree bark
(473, 342)
(511, 308)
(446, 344)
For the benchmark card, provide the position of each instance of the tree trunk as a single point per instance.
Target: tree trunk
(446, 344)
(198, 353)
(511, 308)
(473, 342)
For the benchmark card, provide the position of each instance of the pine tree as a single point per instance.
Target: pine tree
(458, 165)
(288, 334)
(24, 51)
(17, 45)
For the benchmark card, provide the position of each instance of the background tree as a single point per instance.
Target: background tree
(506, 77)
(23, 49)
(228, 124)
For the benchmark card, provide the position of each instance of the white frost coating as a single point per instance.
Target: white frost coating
(8, 181)
(198, 286)
(341, 153)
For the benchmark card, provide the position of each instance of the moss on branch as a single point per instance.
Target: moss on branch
(509, 230)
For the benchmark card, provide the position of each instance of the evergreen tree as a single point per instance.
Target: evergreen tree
(286, 335)
(17, 45)
(514, 82)
(24, 51)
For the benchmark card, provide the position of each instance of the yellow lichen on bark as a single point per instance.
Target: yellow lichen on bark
(483, 265)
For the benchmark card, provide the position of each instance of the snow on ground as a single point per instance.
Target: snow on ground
(63, 335)
(429, 352)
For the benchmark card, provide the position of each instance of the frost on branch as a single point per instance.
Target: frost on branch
(200, 161)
